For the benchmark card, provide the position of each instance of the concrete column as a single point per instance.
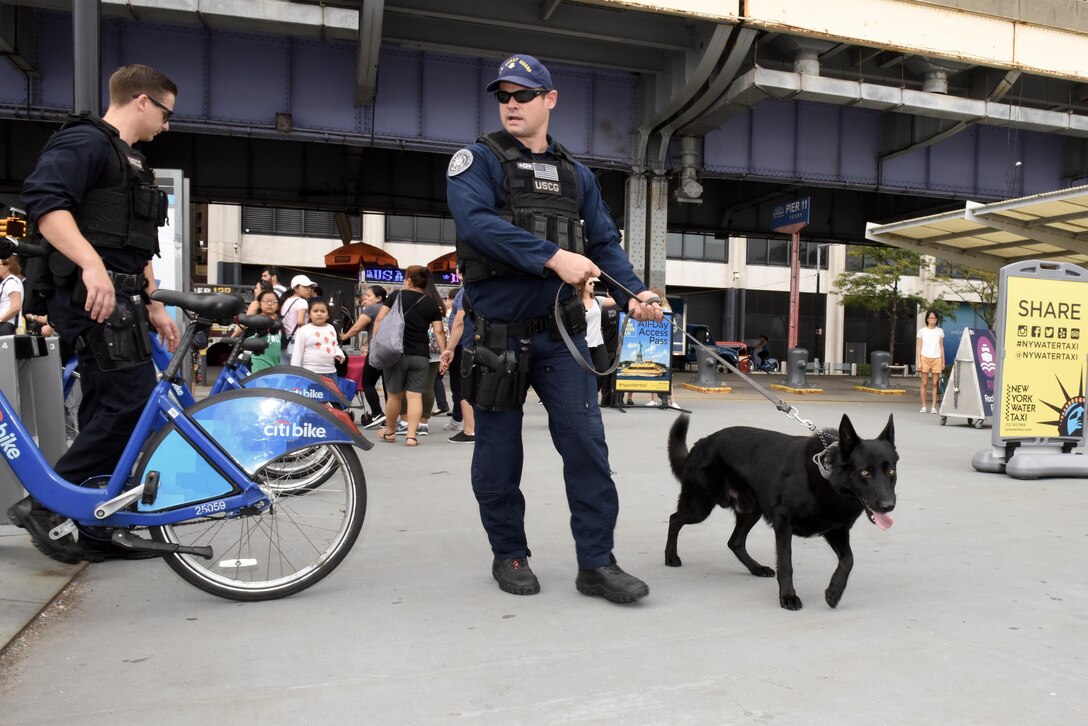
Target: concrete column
(86, 58)
(634, 233)
(657, 232)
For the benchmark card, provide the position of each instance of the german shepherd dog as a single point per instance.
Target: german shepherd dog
(801, 485)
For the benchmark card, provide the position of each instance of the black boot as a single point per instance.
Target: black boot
(515, 577)
(611, 583)
(38, 521)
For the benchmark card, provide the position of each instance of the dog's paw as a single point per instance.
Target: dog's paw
(833, 595)
(672, 561)
(763, 571)
(789, 602)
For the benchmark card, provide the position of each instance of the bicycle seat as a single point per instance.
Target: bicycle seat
(218, 306)
(255, 345)
(259, 323)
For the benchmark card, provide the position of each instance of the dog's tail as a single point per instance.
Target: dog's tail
(678, 445)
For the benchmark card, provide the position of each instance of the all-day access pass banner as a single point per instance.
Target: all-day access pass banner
(1046, 348)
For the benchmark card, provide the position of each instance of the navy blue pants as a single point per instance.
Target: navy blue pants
(574, 420)
(108, 412)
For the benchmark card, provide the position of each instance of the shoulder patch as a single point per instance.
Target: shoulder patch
(460, 161)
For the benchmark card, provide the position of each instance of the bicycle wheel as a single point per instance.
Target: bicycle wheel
(292, 545)
(774, 367)
(302, 470)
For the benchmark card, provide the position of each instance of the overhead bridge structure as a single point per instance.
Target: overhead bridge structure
(696, 115)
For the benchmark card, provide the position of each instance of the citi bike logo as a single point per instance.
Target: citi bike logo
(289, 429)
(7, 441)
(308, 393)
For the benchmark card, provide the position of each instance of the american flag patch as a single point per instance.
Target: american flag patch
(546, 171)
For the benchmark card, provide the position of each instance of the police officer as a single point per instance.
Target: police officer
(94, 200)
(519, 198)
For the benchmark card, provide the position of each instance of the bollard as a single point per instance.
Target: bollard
(880, 360)
(797, 361)
(707, 368)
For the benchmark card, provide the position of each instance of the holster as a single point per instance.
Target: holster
(494, 380)
(122, 341)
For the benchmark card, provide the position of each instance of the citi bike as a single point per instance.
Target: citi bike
(303, 469)
(204, 481)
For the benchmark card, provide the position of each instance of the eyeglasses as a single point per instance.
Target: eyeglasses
(166, 111)
(523, 96)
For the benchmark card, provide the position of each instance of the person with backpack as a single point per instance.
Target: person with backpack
(407, 377)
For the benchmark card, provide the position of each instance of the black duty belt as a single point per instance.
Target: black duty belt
(126, 283)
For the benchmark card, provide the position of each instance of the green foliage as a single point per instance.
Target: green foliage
(876, 287)
(969, 283)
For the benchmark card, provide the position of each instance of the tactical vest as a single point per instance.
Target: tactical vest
(125, 209)
(542, 197)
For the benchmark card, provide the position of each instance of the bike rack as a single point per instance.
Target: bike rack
(30, 369)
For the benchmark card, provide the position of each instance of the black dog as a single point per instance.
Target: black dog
(802, 485)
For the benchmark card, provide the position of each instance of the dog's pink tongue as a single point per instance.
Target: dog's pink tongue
(882, 520)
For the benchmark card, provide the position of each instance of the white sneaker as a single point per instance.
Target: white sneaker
(923, 410)
(402, 428)
(674, 404)
(452, 425)
(652, 403)
(933, 410)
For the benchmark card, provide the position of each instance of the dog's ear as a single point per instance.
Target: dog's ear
(888, 434)
(848, 438)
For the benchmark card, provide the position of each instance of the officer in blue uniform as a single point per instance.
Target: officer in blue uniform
(94, 200)
(530, 223)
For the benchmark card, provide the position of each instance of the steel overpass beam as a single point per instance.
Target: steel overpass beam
(370, 46)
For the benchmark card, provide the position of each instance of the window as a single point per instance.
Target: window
(694, 246)
(295, 222)
(421, 230)
(775, 252)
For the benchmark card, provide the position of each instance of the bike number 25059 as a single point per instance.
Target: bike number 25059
(210, 507)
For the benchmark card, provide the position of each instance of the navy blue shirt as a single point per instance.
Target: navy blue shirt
(73, 162)
(477, 193)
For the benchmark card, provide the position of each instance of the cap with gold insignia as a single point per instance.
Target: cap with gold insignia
(523, 70)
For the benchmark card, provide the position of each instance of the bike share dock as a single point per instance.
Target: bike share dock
(30, 377)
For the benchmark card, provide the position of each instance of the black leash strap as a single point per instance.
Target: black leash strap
(790, 411)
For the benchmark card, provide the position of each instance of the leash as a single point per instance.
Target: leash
(790, 411)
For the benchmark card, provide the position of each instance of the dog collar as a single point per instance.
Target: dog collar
(823, 460)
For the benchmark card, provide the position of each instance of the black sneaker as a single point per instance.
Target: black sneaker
(611, 583)
(38, 521)
(375, 422)
(462, 438)
(515, 577)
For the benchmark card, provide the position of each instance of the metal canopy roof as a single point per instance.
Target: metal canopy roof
(1051, 226)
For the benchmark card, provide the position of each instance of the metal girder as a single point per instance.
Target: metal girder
(568, 22)
(370, 46)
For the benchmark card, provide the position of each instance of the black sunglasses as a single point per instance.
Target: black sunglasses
(166, 112)
(523, 96)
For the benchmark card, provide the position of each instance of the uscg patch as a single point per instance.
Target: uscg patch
(460, 161)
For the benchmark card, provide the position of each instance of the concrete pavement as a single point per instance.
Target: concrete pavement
(969, 610)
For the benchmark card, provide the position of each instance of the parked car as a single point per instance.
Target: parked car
(726, 349)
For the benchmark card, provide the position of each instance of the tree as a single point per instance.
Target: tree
(876, 286)
(970, 283)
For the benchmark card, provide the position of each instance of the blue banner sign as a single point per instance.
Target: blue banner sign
(788, 214)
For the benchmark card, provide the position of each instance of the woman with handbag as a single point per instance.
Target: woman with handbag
(407, 377)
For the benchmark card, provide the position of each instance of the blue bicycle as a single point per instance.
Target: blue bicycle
(204, 481)
(303, 469)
